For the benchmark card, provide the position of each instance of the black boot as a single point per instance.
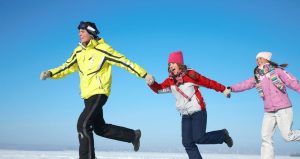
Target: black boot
(136, 141)
(227, 139)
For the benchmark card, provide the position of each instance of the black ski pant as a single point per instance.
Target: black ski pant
(91, 119)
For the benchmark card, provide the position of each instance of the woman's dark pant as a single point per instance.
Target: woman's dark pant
(91, 119)
(194, 132)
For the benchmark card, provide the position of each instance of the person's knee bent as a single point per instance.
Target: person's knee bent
(199, 139)
(99, 129)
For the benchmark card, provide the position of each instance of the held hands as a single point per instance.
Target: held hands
(227, 92)
(44, 75)
(149, 79)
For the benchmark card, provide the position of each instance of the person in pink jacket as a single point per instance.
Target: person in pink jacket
(271, 80)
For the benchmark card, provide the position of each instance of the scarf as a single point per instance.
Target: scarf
(267, 68)
(178, 79)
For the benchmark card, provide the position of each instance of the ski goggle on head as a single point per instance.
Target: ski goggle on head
(89, 27)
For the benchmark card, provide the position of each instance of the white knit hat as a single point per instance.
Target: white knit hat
(265, 55)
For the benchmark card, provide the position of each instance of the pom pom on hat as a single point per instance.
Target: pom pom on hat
(176, 57)
(265, 55)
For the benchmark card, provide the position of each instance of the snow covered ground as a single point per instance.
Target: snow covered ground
(16, 154)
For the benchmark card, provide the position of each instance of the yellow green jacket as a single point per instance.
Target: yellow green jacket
(94, 65)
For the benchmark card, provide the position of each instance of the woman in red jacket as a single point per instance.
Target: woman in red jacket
(184, 84)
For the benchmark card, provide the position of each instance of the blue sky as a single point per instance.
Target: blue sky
(219, 39)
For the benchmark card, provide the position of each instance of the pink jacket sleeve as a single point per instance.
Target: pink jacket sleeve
(288, 79)
(245, 85)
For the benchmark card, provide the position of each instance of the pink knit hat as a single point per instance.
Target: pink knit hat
(176, 57)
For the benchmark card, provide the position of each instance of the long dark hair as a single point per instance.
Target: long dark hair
(276, 65)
